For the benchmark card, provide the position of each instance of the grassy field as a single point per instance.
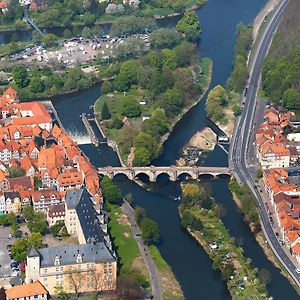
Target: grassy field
(170, 286)
(123, 239)
(214, 230)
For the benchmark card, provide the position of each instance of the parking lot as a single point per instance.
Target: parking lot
(5, 269)
(74, 51)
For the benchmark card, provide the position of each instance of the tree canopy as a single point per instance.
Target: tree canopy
(131, 108)
(190, 26)
(164, 38)
(150, 231)
(110, 190)
(217, 98)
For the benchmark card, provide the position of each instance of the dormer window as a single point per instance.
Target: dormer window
(56, 261)
(79, 258)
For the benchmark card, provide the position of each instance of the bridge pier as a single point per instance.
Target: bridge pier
(152, 176)
(194, 176)
(173, 176)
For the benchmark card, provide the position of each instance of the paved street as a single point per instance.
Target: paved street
(242, 154)
(154, 276)
(5, 270)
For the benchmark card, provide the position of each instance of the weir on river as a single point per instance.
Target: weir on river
(188, 260)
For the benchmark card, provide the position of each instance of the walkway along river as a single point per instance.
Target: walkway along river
(188, 260)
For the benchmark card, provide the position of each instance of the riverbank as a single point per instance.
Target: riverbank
(157, 14)
(205, 225)
(171, 289)
(205, 80)
(260, 18)
(131, 262)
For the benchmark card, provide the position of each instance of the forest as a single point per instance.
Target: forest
(281, 80)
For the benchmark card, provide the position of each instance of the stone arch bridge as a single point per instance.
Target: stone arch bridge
(172, 171)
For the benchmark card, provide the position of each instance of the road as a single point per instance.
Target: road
(154, 276)
(242, 152)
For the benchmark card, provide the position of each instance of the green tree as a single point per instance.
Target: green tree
(37, 223)
(191, 191)
(105, 113)
(142, 157)
(158, 124)
(70, 84)
(148, 143)
(36, 85)
(20, 76)
(129, 68)
(168, 59)
(216, 100)
(116, 122)
(28, 212)
(61, 294)
(164, 38)
(121, 83)
(110, 190)
(150, 231)
(56, 228)
(291, 99)
(19, 249)
(35, 240)
(171, 101)
(145, 76)
(87, 32)
(49, 39)
(187, 219)
(131, 108)
(227, 271)
(139, 214)
(184, 53)
(106, 87)
(190, 26)
(8, 219)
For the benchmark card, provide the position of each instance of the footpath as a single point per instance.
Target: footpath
(153, 272)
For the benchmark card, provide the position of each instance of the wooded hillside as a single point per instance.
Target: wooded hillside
(281, 71)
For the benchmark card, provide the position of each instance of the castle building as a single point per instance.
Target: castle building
(87, 267)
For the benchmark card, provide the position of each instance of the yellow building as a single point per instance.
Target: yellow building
(89, 266)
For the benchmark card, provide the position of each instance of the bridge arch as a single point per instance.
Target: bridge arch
(141, 174)
(191, 174)
(205, 176)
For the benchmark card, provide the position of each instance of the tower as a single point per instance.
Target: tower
(32, 265)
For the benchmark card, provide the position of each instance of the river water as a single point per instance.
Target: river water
(189, 262)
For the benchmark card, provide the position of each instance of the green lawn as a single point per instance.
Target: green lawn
(159, 261)
(205, 69)
(122, 237)
(115, 102)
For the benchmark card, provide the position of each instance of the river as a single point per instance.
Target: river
(188, 260)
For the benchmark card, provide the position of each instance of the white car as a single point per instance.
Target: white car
(297, 271)
(15, 274)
